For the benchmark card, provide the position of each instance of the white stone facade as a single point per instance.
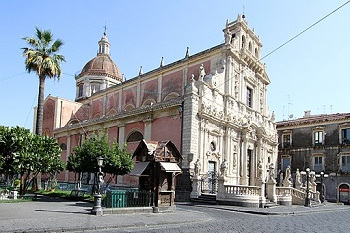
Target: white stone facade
(226, 122)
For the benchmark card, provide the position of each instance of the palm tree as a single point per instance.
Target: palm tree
(41, 57)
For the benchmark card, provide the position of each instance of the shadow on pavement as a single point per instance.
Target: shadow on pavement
(87, 211)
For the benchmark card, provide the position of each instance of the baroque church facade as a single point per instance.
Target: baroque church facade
(211, 105)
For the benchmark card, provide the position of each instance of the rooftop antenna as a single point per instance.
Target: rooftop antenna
(331, 108)
(289, 103)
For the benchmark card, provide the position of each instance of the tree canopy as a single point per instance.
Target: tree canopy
(117, 161)
(27, 154)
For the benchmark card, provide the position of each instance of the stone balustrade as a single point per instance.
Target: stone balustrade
(240, 195)
(298, 196)
(242, 190)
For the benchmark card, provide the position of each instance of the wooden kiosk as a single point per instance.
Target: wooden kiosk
(157, 164)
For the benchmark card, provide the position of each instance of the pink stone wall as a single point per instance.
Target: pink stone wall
(129, 128)
(61, 175)
(195, 70)
(112, 103)
(74, 141)
(167, 128)
(172, 83)
(113, 134)
(48, 118)
(129, 97)
(149, 90)
(97, 108)
(82, 113)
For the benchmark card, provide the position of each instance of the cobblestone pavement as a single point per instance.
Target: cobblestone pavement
(225, 220)
(62, 216)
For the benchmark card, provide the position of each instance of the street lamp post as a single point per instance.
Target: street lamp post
(97, 210)
(322, 175)
(307, 198)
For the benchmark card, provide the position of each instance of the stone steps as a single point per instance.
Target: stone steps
(205, 199)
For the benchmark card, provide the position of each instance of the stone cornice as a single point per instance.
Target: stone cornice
(121, 115)
(314, 120)
(162, 70)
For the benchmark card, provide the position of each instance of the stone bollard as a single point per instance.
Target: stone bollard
(262, 200)
(221, 186)
(196, 187)
(271, 190)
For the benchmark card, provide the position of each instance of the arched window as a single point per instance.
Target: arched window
(233, 37)
(344, 193)
(134, 137)
(250, 47)
(148, 102)
(243, 41)
(80, 90)
(256, 53)
(170, 96)
(63, 146)
(129, 107)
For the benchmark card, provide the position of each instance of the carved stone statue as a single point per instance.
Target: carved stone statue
(313, 178)
(298, 183)
(260, 170)
(197, 167)
(228, 36)
(234, 162)
(287, 182)
(288, 174)
(223, 167)
(297, 177)
(271, 171)
(201, 72)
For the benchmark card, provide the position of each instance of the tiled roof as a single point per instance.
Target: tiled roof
(102, 65)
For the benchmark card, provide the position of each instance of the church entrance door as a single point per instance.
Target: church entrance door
(209, 182)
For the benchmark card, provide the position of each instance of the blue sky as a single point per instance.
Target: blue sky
(309, 73)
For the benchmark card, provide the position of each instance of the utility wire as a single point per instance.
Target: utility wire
(285, 43)
(302, 32)
(30, 110)
(11, 76)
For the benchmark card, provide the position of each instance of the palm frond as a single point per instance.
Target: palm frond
(41, 54)
(56, 45)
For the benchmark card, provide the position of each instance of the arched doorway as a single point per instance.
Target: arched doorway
(344, 193)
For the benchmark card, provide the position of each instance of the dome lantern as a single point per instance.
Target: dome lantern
(99, 73)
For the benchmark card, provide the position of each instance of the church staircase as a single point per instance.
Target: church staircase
(207, 199)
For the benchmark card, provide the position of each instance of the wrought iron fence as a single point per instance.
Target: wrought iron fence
(209, 183)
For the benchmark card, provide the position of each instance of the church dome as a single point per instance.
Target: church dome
(102, 65)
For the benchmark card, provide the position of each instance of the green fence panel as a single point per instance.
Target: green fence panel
(128, 198)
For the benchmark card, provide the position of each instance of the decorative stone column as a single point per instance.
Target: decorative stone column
(261, 184)
(244, 178)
